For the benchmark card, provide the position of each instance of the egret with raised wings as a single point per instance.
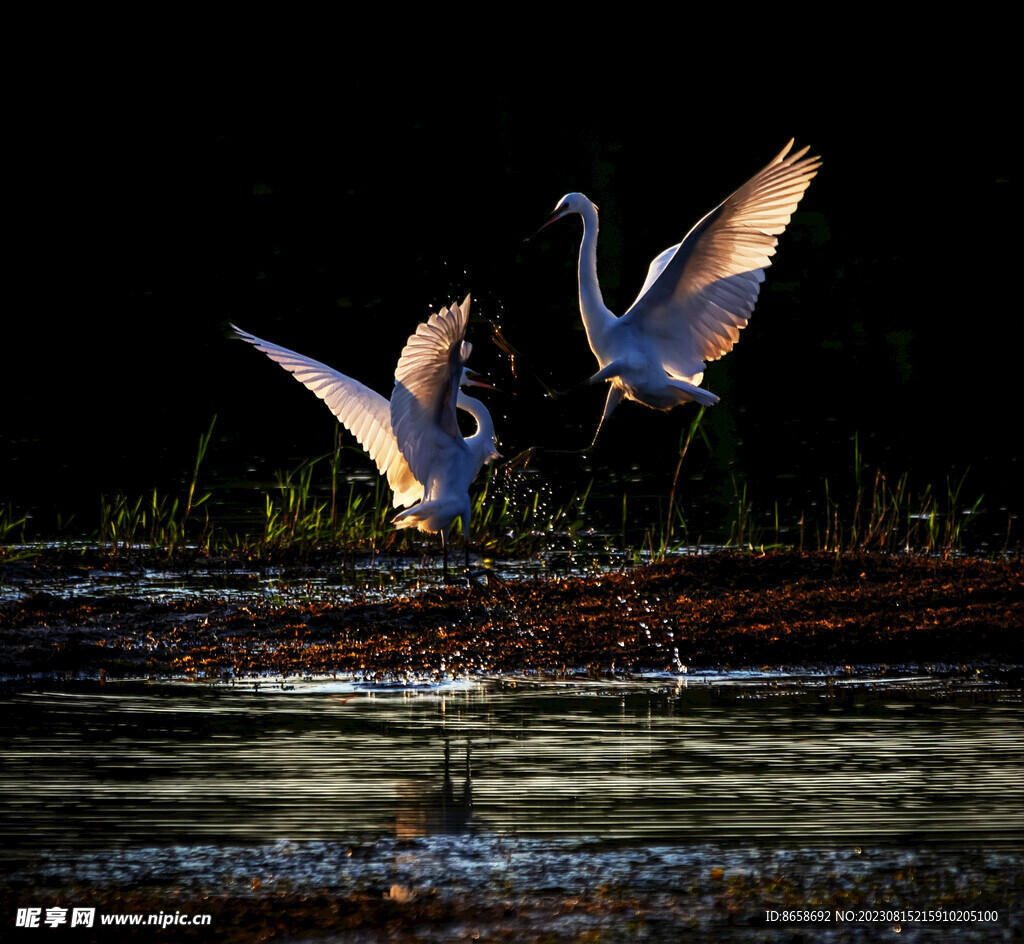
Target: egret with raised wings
(697, 296)
(414, 438)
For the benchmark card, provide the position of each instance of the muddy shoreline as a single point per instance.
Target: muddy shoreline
(722, 610)
(957, 619)
(535, 892)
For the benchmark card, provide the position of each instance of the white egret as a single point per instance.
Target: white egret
(697, 296)
(414, 438)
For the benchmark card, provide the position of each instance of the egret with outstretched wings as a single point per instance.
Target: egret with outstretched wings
(698, 294)
(414, 438)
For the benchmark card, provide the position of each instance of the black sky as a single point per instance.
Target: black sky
(331, 219)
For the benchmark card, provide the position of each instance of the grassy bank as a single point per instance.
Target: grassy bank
(317, 508)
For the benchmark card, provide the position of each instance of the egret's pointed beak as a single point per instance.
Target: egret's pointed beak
(557, 215)
(472, 380)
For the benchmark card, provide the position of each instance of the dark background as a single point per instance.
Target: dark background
(332, 216)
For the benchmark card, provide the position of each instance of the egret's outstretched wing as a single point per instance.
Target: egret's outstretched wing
(364, 413)
(699, 294)
(427, 386)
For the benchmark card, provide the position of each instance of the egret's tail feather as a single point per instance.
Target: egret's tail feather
(413, 517)
(430, 516)
(689, 391)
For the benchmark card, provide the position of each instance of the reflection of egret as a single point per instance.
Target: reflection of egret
(427, 811)
(414, 439)
(697, 296)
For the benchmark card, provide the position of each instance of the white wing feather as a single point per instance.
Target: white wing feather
(427, 386)
(655, 269)
(701, 292)
(363, 412)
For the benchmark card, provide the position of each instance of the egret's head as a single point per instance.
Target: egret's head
(470, 378)
(573, 203)
(570, 203)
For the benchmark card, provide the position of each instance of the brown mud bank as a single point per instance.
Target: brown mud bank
(718, 610)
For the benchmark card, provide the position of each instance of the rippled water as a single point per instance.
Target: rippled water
(361, 578)
(704, 760)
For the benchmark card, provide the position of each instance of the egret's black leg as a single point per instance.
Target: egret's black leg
(614, 399)
(615, 395)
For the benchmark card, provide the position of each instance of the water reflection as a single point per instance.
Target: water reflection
(174, 764)
(426, 810)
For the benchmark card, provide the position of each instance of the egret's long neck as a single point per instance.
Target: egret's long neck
(596, 316)
(483, 439)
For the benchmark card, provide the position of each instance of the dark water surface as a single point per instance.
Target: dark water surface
(526, 810)
(707, 759)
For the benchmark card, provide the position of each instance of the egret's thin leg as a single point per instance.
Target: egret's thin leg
(614, 399)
